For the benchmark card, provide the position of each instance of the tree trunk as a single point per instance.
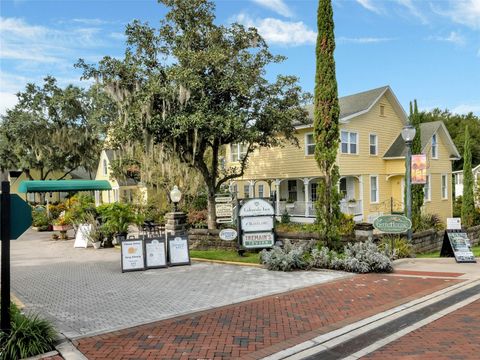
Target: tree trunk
(212, 218)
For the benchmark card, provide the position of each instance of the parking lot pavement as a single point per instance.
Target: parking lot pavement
(84, 292)
(454, 336)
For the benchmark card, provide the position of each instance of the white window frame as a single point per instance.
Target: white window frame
(377, 190)
(434, 146)
(237, 150)
(349, 143)
(309, 145)
(428, 185)
(444, 189)
(261, 191)
(370, 144)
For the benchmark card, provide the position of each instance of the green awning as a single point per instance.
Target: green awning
(32, 186)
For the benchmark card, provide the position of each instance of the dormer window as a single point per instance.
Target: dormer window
(434, 147)
(238, 152)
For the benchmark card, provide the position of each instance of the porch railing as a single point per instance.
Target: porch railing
(298, 208)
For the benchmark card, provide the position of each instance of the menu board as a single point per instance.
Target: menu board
(178, 251)
(132, 255)
(81, 237)
(155, 253)
(456, 243)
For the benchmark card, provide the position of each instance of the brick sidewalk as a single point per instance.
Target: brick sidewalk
(454, 336)
(260, 327)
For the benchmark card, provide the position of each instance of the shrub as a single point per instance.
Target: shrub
(401, 247)
(197, 219)
(347, 225)
(290, 257)
(39, 217)
(363, 257)
(429, 221)
(30, 336)
(285, 219)
(56, 210)
(117, 217)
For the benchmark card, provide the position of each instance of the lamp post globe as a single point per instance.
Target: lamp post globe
(175, 196)
(408, 134)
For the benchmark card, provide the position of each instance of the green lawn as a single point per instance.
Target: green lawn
(226, 255)
(436, 254)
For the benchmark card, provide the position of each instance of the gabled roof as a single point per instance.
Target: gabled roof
(358, 104)
(427, 130)
(461, 171)
(127, 181)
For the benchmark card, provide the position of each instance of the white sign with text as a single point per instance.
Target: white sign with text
(256, 207)
(257, 223)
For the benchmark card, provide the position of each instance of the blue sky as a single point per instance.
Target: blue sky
(423, 49)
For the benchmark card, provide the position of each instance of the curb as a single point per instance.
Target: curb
(228, 262)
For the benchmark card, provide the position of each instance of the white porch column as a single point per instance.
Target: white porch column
(360, 185)
(306, 181)
(251, 189)
(277, 196)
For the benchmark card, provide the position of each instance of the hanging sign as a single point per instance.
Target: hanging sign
(81, 237)
(155, 253)
(178, 250)
(224, 210)
(456, 243)
(258, 240)
(257, 207)
(419, 169)
(223, 199)
(132, 255)
(257, 223)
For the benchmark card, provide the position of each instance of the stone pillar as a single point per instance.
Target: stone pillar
(306, 181)
(175, 223)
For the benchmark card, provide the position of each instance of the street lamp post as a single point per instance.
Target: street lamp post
(408, 134)
(175, 196)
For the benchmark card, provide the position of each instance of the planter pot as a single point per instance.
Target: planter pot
(96, 244)
(108, 243)
(61, 227)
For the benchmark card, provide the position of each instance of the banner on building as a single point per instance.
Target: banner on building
(419, 169)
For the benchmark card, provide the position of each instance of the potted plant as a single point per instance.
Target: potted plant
(116, 218)
(95, 235)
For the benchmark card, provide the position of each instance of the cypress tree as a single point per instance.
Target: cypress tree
(468, 202)
(417, 189)
(325, 127)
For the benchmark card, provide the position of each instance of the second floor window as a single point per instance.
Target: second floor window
(434, 147)
(373, 144)
(260, 191)
(309, 145)
(238, 152)
(105, 167)
(349, 142)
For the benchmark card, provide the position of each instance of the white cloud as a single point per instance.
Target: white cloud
(362, 40)
(367, 4)
(275, 31)
(22, 41)
(465, 12)
(7, 101)
(466, 108)
(277, 6)
(94, 22)
(454, 38)
(118, 35)
(413, 10)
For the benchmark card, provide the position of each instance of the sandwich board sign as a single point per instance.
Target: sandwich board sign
(81, 237)
(178, 251)
(457, 244)
(155, 253)
(132, 255)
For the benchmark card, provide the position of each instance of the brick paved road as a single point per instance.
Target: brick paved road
(84, 292)
(264, 326)
(454, 336)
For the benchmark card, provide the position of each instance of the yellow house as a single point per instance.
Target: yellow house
(123, 190)
(371, 160)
